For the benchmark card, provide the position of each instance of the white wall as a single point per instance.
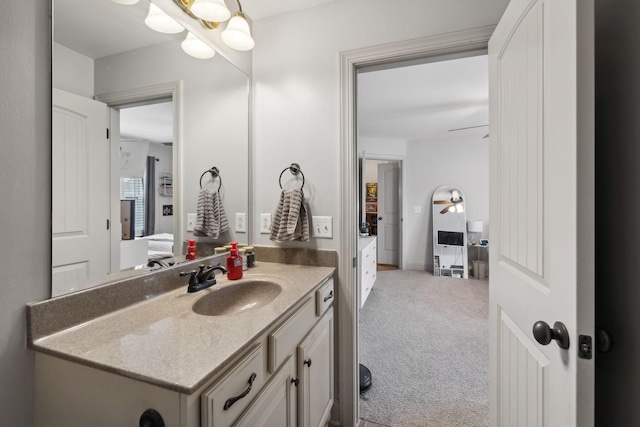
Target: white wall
(215, 118)
(296, 81)
(25, 173)
(463, 163)
(73, 72)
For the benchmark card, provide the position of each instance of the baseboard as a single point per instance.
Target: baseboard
(415, 266)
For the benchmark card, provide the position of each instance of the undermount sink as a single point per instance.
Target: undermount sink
(240, 297)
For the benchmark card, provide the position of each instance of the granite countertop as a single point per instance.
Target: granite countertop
(161, 340)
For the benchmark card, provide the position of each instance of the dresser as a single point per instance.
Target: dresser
(367, 257)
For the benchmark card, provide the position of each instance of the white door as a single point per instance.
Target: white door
(542, 222)
(80, 191)
(388, 212)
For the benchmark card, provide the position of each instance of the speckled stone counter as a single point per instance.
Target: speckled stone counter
(158, 338)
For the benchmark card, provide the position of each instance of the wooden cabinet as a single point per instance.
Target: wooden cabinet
(315, 371)
(367, 271)
(285, 377)
(276, 405)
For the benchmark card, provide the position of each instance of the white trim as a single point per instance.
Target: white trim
(151, 93)
(435, 46)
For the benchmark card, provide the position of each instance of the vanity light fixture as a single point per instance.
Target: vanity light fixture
(158, 20)
(211, 13)
(195, 47)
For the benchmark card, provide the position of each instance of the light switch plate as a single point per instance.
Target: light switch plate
(241, 223)
(191, 221)
(322, 227)
(265, 223)
(417, 209)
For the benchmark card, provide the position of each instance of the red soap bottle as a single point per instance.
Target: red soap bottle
(191, 249)
(234, 263)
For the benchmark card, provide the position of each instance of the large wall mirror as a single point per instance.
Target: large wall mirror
(137, 126)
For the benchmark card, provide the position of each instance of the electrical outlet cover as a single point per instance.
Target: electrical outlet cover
(241, 223)
(191, 221)
(265, 223)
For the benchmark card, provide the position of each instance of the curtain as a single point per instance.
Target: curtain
(150, 199)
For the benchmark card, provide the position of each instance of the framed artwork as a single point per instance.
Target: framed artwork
(372, 207)
(372, 191)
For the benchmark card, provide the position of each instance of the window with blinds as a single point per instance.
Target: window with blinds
(133, 189)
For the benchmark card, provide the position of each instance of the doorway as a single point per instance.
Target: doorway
(439, 137)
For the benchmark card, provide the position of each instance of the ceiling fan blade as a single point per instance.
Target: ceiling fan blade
(445, 210)
(468, 127)
(441, 202)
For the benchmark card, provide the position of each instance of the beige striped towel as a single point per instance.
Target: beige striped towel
(290, 221)
(211, 220)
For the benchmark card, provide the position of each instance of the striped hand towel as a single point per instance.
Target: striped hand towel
(290, 221)
(211, 219)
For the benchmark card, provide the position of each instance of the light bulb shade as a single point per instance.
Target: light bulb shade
(474, 226)
(158, 20)
(211, 10)
(197, 48)
(125, 2)
(237, 35)
(455, 195)
(460, 207)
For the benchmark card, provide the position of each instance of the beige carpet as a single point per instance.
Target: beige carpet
(425, 340)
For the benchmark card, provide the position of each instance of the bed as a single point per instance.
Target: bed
(160, 246)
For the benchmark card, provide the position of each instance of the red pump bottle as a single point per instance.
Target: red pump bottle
(191, 249)
(234, 263)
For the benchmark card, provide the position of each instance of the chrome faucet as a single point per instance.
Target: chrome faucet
(202, 278)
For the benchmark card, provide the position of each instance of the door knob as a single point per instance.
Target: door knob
(379, 218)
(543, 333)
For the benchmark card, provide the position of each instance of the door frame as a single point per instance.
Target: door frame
(401, 200)
(438, 47)
(143, 95)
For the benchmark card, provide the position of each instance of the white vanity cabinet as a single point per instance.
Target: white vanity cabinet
(367, 267)
(301, 359)
(285, 377)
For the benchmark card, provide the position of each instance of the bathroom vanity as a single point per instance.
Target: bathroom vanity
(256, 351)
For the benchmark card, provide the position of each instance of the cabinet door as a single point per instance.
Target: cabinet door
(276, 404)
(315, 367)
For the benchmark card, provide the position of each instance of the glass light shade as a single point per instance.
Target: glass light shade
(452, 209)
(460, 207)
(161, 22)
(211, 10)
(197, 48)
(237, 34)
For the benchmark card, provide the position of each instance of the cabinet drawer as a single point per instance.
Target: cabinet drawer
(283, 341)
(229, 389)
(324, 297)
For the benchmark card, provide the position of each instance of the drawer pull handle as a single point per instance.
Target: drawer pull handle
(327, 298)
(307, 362)
(229, 403)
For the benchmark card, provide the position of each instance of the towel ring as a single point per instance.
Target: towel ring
(215, 173)
(295, 170)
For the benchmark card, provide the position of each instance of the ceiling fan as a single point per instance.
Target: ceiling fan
(454, 204)
(471, 127)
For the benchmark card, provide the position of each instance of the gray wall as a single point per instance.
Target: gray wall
(25, 174)
(618, 176)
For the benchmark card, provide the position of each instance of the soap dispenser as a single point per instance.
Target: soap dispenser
(191, 249)
(234, 263)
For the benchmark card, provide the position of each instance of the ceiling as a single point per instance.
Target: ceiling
(153, 122)
(424, 102)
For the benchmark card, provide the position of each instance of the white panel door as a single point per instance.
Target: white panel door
(541, 118)
(388, 212)
(80, 191)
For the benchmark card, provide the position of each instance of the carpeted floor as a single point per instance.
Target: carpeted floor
(425, 340)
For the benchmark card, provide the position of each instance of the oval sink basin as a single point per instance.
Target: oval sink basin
(237, 298)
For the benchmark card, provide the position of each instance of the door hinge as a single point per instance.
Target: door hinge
(584, 347)
(107, 133)
(108, 224)
(355, 262)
